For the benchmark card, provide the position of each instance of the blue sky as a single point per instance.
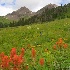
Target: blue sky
(8, 6)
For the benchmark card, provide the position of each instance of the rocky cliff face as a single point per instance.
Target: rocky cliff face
(22, 12)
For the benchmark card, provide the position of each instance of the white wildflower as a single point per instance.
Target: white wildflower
(37, 28)
(29, 27)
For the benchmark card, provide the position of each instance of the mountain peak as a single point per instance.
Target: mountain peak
(23, 8)
(22, 12)
(25, 12)
(49, 6)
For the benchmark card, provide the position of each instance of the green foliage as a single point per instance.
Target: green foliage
(4, 20)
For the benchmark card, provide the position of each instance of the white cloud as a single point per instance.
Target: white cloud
(4, 10)
(33, 5)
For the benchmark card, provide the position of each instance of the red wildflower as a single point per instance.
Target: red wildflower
(17, 60)
(54, 47)
(5, 62)
(33, 52)
(13, 52)
(2, 55)
(59, 42)
(41, 61)
(65, 45)
(20, 60)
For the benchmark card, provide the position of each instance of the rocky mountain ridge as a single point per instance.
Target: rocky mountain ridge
(25, 12)
(49, 6)
(20, 13)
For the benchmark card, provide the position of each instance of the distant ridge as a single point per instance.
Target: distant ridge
(25, 12)
(20, 13)
(49, 6)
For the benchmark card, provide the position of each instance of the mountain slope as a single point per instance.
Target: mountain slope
(22, 12)
(25, 12)
(46, 14)
(49, 6)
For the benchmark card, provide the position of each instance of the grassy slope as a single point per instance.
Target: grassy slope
(4, 20)
(44, 35)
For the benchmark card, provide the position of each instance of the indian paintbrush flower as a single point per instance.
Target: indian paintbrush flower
(33, 52)
(65, 45)
(5, 62)
(55, 47)
(13, 52)
(41, 61)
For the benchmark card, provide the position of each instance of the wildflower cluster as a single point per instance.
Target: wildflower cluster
(60, 52)
(60, 44)
(12, 62)
(19, 62)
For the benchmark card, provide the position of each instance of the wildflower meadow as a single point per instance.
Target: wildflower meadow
(36, 47)
(57, 59)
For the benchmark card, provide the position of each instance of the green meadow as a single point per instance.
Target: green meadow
(40, 36)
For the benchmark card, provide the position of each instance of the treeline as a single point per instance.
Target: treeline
(47, 15)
